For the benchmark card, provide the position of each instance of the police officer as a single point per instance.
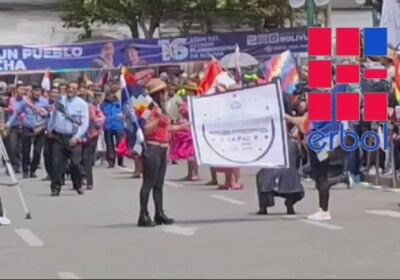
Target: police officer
(34, 112)
(48, 162)
(15, 127)
(67, 125)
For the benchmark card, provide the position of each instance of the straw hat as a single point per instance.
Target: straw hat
(191, 86)
(155, 85)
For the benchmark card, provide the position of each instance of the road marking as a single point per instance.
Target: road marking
(321, 224)
(67, 275)
(228, 199)
(29, 237)
(392, 190)
(389, 213)
(173, 185)
(187, 231)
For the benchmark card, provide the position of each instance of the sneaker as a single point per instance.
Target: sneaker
(4, 221)
(320, 216)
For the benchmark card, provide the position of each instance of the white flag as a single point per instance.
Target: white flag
(46, 84)
(391, 20)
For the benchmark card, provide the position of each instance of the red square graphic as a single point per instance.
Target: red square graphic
(348, 41)
(319, 41)
(347, 106)
(320, 73)
(376, 106)
(375, 74)
(348, 74)
(320, 106)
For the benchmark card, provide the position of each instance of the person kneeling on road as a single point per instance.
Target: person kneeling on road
(282, 182)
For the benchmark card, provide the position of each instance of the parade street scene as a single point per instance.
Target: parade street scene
(204, 139)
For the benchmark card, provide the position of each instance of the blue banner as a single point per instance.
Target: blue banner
(141, 52)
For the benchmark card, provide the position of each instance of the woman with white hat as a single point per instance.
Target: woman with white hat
(157, 135)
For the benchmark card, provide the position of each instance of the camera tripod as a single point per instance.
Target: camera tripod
(14, 182)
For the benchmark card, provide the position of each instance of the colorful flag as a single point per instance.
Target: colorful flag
(397, 80)
(214, 77)
(46, 83)
(129, 97)
(141, 101)
(282, 66)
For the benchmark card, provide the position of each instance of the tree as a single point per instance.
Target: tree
(266, 14)
(78, 15)
(147, 15)
(133, 13)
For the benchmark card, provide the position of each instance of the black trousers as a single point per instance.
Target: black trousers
(320, 173)
(112, 139)
(88, 158)
(154, 169)
(276, 182)
(48, 160)
(29, 138)
(61, 152)
(267, 199)
(15, 146)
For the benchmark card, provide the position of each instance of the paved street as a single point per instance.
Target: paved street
(217, 234)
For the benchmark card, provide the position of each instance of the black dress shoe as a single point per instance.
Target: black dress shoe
(145, 221)
(80, 191)
(262, 211)
(33, 175)
(46, 179)
(55, 193)
(289, 207)
(162, 219)
(25, 176)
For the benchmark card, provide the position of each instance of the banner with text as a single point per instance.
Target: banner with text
(243, 128)
(141, 52)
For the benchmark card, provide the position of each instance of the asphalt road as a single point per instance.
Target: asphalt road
(217, 233)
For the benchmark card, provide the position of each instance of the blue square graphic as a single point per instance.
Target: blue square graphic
(375, 42)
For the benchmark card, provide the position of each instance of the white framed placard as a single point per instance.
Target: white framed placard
(241, 128)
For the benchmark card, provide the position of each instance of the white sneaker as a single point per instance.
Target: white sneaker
(320, 216)
(4, 221)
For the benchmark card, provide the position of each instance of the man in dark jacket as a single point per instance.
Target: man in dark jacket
(113, 127)
(281, 182)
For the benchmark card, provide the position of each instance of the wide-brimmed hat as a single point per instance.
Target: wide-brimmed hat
(155, 85)
(191, 86)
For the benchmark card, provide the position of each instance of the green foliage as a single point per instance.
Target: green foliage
(147, 15)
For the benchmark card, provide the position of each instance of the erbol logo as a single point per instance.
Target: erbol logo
(338, 107)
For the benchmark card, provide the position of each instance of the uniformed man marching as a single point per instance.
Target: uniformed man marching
(67, 125)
